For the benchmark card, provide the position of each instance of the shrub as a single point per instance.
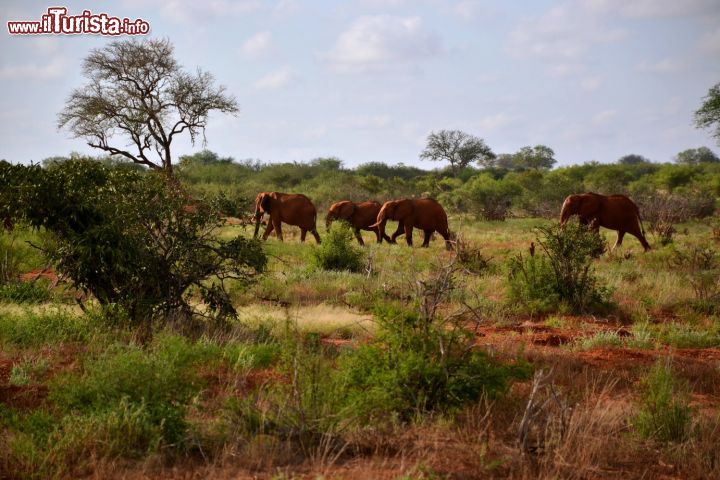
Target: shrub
(531, 282)
(338, 252)
(131, 238)
(491, 199)
(470, 257)
(421, 360)
(564, 270)
(665, 413)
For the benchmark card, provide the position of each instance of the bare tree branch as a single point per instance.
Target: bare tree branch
(137, 91)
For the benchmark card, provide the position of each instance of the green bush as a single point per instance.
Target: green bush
(561, 273)
(665, 413)
(531, 283)
(417, 364)
(131, 238)
(338, 251)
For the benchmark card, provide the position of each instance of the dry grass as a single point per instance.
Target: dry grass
(322, 319)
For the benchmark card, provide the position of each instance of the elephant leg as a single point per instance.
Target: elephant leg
(278, 230)
(637, 233)
(268, 230)
(358, 235)
(427, 234)
(408, 234)
(619, 240)
(316, 235)
(398, 232)
(448, 243)
(302, 235)
(377, 235)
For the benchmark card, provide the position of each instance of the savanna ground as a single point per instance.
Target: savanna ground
(216, 387)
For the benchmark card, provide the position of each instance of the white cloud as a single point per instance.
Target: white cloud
(315, 133)
(366, 121)
(380, 42)
(565, 32)
(286, 8)
(274, 80)
(666, 65)
(33, 71)
(655, 8)
(46, 44)
(493, 122)
(189, 11)
(710, 42)
(257, 45)
(590, 84)
(604, 117)
(469, 9)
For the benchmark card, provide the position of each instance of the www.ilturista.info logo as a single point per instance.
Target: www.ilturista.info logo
(57, 21)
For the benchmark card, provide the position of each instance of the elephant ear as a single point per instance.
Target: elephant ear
(404, 208)
(265, 202)
(589, 205)
(347, 210)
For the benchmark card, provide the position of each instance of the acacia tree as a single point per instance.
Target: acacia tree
(137, 91)
(632, 159)
(538, 157)
(708, 115)
(695, 156)
(458, 148)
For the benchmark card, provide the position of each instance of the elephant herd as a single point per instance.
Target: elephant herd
(614, 212)
(296, 209)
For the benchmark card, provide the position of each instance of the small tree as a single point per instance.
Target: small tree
(538, 157)
(632, 159)
(696, 156)
(137, 91)
(458, 148)
(131, 240)
(708, 115)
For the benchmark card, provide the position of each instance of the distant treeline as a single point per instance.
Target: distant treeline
(493, 192)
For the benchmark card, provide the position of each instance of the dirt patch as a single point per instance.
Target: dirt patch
(551, 339)
(617, 357)
(23, 396)
(19, 396)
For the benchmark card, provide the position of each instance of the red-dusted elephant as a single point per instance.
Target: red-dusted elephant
(614, 212)
(361, 216)
(291, 208)
(423, 213)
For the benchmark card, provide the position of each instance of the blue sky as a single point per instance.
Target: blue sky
(367, 80)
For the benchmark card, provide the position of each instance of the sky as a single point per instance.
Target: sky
(368, 80)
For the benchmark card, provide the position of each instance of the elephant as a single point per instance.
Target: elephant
(423, 213)
(614, 212)
(360, 216)
(291, 208)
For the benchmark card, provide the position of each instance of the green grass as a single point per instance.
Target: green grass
(46, 326)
